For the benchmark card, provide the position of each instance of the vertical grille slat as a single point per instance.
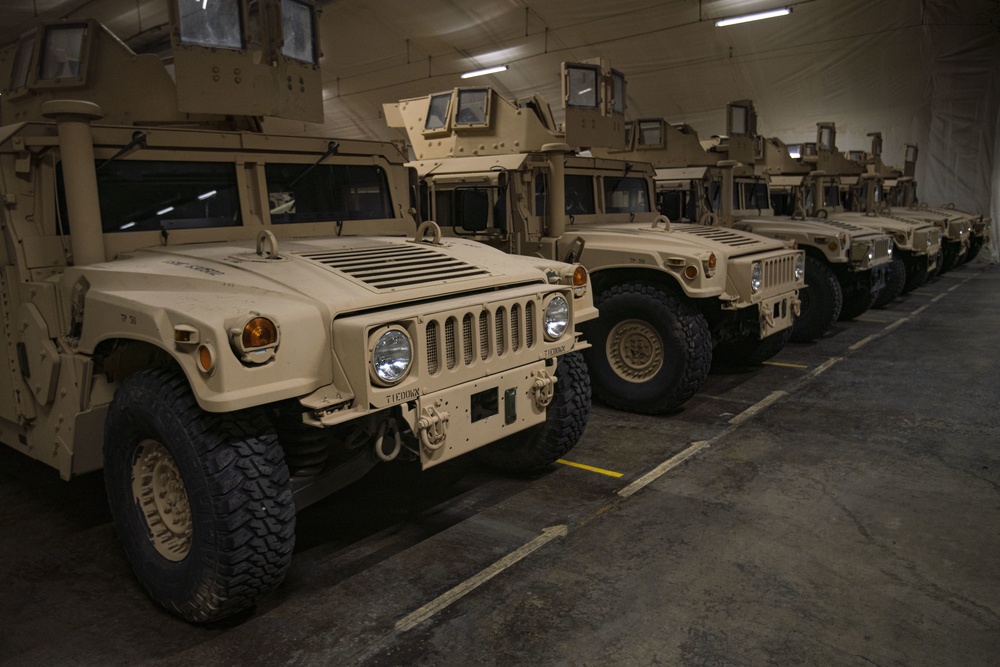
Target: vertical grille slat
(484, 336)
(515, 327)
(449, 343)
(467, 339)
(501, 330)
(433, 364)
(778, 272)
(529, 324)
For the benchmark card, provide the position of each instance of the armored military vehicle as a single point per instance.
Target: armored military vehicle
(814, 180)
(721, 186)
(503, 173)
(234, 324)
(900, 190)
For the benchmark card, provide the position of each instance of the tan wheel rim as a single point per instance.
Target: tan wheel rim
(635, 350)
(160, 494)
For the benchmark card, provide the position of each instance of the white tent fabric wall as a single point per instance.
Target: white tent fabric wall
(914, 70)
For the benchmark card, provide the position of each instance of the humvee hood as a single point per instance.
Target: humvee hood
(778, 224)
(722, 240)
(346, 274)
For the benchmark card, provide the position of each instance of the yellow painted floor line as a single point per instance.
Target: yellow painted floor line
(600, 471)
(783, 365)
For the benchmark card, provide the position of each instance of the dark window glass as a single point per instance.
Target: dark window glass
(579, 194)
(22, 62)
(650, 133)
(540, 194)
(437, 113)
(442, 208)
(297, 30)
(62, 51)
(471, 107)
(628, 134)
(619, 80)
(139, 195)
(326, 192)
(626, 195)
(216, 24)
(582, 87)
(755, 196)
(831, 195)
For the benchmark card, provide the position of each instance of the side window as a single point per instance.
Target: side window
(216, 24)
(625, 195)
(471, 107)
(579, 194)
(326, 193)
(540, 189)
(755, 196)
(437, 112)
(650, 133)
(142, 195)
(297, 30)
(22, 62)
(582, 87)
(62, 52)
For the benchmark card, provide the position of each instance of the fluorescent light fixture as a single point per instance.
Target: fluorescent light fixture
(488, 70)
(774, 13)
(127, 225)
(794, 154)
(210, 193)
(166, 210)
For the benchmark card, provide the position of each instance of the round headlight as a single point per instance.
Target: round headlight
(800, 267)
(756, 278)
(871, 254)
(391, 356)
(928, 240)
(556, 317)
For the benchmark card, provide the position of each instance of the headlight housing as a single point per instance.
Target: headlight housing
(756, 277)
(255, 340)
(800, 267)
(391, 354)
(556, 317)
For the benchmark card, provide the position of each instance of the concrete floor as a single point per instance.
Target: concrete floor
(852, 518)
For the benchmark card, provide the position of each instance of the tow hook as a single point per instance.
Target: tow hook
(432, 428)
(395, 440)
(542, 389)
(797, 307)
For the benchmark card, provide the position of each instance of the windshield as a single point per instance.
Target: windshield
(755, 196)
(326, 193)
(579, 194)
(143, 195)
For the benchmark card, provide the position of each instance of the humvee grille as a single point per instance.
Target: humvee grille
(778, 272)
(395, 266)
(494, 332)
(718, 234)
(881, 248)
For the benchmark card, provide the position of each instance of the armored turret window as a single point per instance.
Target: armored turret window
(22, 62)
(437, 112)
(298, 31)
(472, 107)
(581, 87)
(626, 195)
(619, 83)
(738, 119)
(140, 195)
(809, 149)
(327, 193)
(213, 23)
(826, 138)
(62, 51)
(650, 134)
(580, 194)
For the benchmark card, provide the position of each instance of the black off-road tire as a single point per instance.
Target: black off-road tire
(822, 300)
(566, 417)
(937, 269)
(214, 486)
(975, 245)
(916, 273)
(952, 256)
(856, 301)
(894, 283)
(650, 351)
(752, 351)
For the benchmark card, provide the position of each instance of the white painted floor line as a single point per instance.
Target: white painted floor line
(822, 368)
(414, 619)
(939, 297)
(919, 310)
(864, 341)
(895, 324)
(758, 406)
(664, 468)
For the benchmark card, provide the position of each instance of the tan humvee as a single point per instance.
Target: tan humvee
(718, 182)
(971, 230)
(503, 173)
(235, 324)
(841, 189)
